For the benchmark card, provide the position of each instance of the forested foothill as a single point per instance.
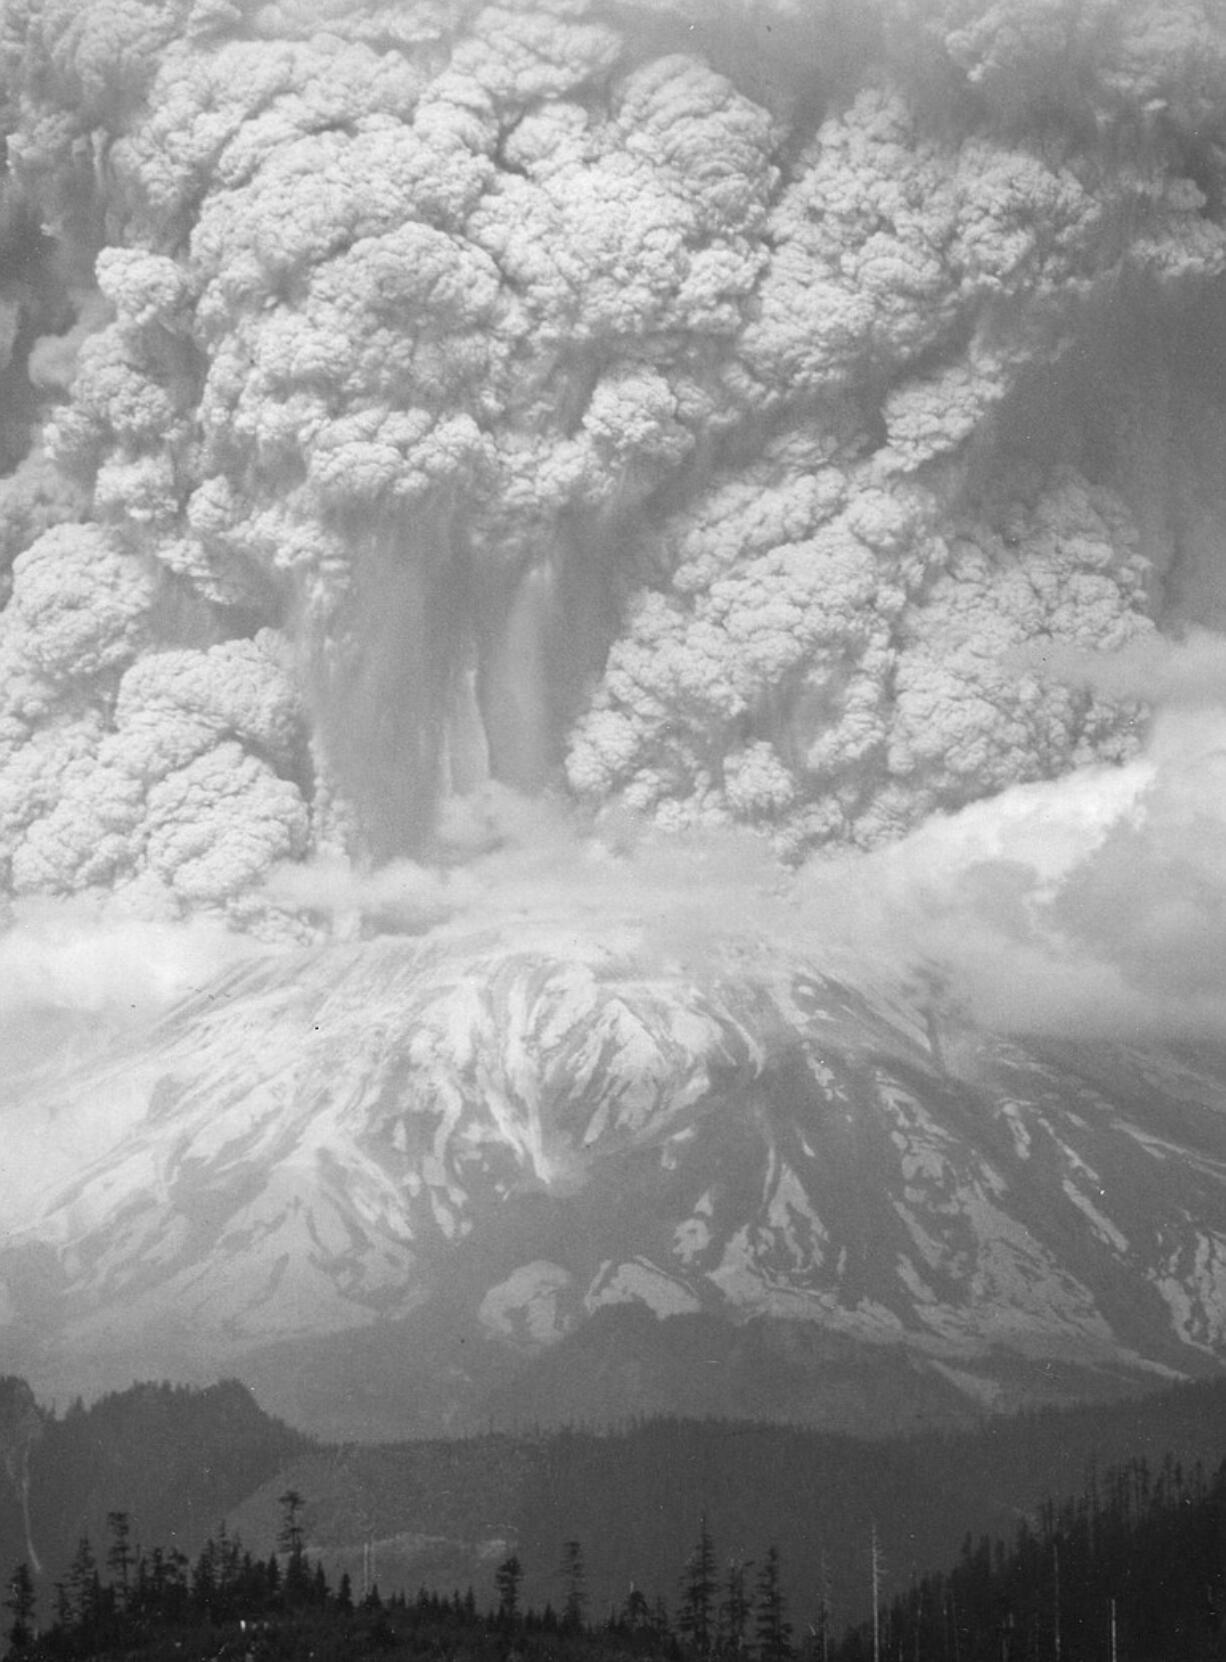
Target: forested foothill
(1135, 1567)
(163, 1518)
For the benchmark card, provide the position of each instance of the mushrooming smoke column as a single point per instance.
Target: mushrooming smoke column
(694, 402)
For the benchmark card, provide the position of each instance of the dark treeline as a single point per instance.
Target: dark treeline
(638, 1490)
(1133, 1570)
(157, 1604)
(178, 1459)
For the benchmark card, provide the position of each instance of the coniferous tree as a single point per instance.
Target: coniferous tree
(821, 1629)
(176, 1584)
(291, 1537)
(204, 1590)
(636, 1612)
(574, 1604)
(507, 1579)
(292, 1541)
(734, 1611)
(771, 1626)
(85, 1588)
(20, 1602)
(120, 1557)
(699, 1587)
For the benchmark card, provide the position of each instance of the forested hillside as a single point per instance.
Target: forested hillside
(174, 1458)
(445, 1513)
(1134, 1567)
(442, 1512)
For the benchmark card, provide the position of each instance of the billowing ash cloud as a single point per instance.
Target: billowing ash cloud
(744, 413)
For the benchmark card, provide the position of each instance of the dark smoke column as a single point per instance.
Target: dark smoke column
(692, 402)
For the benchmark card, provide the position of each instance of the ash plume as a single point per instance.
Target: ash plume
(739, 417)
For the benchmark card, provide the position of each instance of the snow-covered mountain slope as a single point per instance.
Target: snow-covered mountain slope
(481, 1143)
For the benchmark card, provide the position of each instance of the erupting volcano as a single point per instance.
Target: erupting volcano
(611, 698)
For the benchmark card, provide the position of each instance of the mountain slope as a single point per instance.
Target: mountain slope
(469, 1147)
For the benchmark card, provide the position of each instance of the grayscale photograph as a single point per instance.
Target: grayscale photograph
(613, 830)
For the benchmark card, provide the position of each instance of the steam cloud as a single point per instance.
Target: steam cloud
(794, 427)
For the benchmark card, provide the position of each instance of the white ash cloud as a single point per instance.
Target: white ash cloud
(1089, 905)
(784, 419)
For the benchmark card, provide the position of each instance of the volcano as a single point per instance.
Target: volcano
(408, 1183)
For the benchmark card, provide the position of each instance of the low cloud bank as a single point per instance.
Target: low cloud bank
(1094, 904)
(73, 972)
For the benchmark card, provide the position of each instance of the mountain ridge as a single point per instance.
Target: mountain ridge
(497, 1136)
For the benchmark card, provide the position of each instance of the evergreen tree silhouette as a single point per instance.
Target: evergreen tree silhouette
(772, 1629)
(20, 1601)
(507, 1579)
(699, 1587)
(574, 1582)
(735, 1610)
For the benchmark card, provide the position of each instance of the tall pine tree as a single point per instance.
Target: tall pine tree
(699, 1589)
(772, 1629)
